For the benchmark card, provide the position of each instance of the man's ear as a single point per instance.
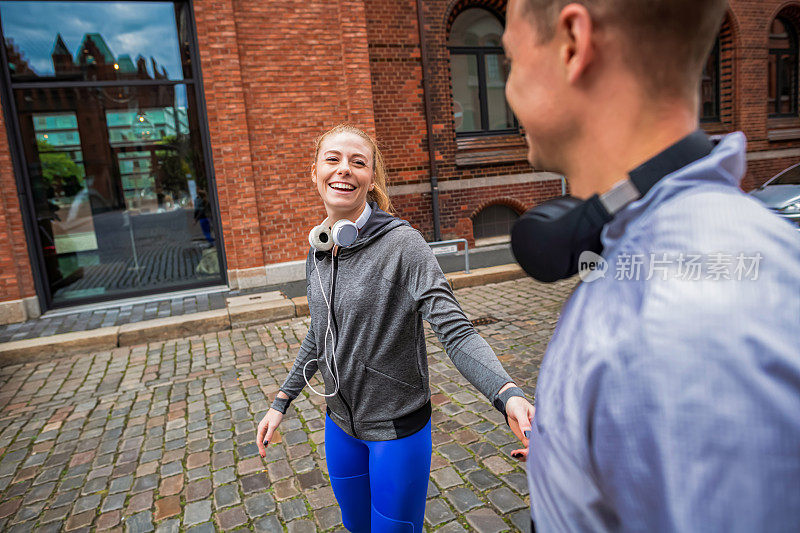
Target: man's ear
(578, 32)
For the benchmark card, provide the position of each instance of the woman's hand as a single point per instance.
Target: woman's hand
(266, 428)
(520, 413)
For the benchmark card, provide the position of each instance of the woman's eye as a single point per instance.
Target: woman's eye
(359, 163)
(332, 159)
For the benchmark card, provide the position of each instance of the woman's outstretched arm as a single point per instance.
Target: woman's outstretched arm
(470, 353)
(305, 364)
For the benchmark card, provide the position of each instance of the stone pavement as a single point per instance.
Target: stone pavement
(180, 304)
(161, 436)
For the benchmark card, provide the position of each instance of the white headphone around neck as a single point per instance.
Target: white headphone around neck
(342, 233)
(322, 238)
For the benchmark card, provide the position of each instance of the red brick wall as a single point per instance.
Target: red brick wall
(749, 23)
(305, 68)
(16, 280)
(277, 74)
(396, 81)
(728, 37)
(228, 127)
(395, 60)
(297, 78)
(459, 207)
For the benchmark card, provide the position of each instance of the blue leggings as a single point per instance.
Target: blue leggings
(380, 485)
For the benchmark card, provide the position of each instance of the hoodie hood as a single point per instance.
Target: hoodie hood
(378, 223)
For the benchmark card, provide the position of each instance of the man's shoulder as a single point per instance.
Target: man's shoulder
(710, 266)
(716, 219)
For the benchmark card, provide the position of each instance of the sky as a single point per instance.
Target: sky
(133, 28)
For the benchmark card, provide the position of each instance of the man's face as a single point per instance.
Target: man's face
(535, 87)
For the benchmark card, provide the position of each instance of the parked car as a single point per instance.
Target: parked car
(781, 194)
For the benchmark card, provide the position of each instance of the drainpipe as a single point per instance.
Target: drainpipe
(437, 230)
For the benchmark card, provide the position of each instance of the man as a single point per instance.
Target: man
(669, 396)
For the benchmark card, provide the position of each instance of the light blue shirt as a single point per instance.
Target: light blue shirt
(673, 403)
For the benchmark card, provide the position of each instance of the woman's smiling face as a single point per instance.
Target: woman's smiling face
(343, 173)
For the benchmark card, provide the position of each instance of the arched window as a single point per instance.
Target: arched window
(493, 221)
(478, 74)
(782, 97)
(709, 87)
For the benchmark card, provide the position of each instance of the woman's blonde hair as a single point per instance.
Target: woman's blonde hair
(380, 193)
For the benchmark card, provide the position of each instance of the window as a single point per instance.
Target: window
(494, 221)
(105, 99)
(709, 87)
(478, 75)
(782, 77)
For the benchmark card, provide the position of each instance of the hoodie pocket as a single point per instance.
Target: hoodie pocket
(383, 398)
(391, 378)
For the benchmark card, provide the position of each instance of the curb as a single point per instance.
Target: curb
(485, 276)
(237, 316)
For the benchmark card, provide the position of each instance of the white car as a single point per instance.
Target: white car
(781, 194)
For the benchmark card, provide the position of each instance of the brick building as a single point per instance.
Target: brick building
(169, 147)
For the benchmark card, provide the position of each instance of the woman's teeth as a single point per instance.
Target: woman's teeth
(342, 187)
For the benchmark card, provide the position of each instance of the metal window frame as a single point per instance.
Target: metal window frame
(23, 181)
(480, 52)
(793, 54)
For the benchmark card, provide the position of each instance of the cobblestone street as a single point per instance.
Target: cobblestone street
(161, 437)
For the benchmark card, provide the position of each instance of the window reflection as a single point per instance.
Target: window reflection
(64, 179)
(95, 41)
(466, 92)
(116, 172)
(500, 115)
(476, 27)
(142, 172)
(121, 194)
(478, 74)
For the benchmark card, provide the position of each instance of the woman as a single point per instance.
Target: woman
(372, 278)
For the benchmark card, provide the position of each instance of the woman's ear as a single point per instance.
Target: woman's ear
(313, 173)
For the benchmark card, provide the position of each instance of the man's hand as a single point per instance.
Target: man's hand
(520, 413)
(266, 428)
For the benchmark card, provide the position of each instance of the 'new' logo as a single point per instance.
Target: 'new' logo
(591, 266)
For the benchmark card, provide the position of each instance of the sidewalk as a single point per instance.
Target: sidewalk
(161, 436)
(105, 329)
(60, 322)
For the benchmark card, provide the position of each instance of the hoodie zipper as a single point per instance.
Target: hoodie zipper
(336, 334)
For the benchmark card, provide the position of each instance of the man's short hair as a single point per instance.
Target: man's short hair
(668, 41)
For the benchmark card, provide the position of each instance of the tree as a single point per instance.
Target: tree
(174, 164)
(59, 172)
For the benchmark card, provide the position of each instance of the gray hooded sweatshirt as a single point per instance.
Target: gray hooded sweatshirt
(380, 289)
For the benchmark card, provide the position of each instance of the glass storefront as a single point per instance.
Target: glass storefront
(107, 113)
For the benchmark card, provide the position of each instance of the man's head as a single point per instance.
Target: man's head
(569, 60)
